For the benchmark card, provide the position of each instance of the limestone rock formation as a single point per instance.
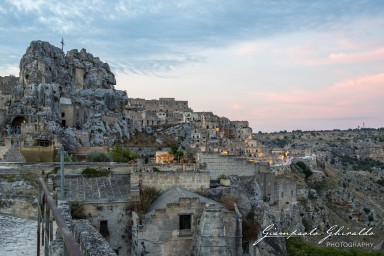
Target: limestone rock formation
(69, 95)
(247, 193)
(44, 63)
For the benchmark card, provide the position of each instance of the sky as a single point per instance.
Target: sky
(279, 64)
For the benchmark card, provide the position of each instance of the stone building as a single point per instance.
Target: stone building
(7, 86)
(277, 192)
(162, 104)
(181, 222)
(67, 112)
(103, 201)
(217, 164)
(286, 193)
(143, 112)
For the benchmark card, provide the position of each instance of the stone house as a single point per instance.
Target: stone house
(240, 130)
(162, 104)
(145, 118)
(277, 192)
(103, 201)
(181, 222)
(286, 193)
(67, 112)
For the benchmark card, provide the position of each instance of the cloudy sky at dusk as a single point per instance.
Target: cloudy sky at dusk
(281, 65)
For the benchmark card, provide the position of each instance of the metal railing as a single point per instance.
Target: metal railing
(47, 206)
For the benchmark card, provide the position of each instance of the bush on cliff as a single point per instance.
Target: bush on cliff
(96, 156)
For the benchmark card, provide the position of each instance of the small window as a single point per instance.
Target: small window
(62, 114)
(104, 228)
(185, 221)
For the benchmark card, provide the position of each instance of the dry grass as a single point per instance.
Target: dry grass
(229, 201)
(147, 197)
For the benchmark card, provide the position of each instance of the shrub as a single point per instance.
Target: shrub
(67, 157)
(147, 196)
(229, 201)
(96, 156)
(304, 168)
(93, 173)
(31, 178)
(77, 210)
(120, 154)
(381, 181)
(250, 229)
(223, 177)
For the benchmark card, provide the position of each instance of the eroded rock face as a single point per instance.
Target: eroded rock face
(65, 93)
(47, 64)
(247, 193)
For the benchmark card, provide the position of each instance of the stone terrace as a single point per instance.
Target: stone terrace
(78, 188)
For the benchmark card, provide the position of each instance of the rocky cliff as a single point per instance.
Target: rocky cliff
(69, 95)
(44, 63)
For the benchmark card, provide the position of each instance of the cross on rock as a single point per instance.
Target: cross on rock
(62, 44)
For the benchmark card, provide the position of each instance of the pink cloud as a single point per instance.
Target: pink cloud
(349, 58)
(236, 106)
(348, 100)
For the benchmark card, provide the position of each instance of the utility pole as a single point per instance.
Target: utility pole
(62, 173)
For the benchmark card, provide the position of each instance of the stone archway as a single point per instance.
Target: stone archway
(18, 121)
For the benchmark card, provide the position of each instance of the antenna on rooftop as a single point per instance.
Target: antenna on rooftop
(62, 44)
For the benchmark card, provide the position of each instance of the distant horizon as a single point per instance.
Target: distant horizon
(281, 66)
(362, 126)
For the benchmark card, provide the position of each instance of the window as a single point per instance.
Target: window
(104, 228)
(185, 221)
(62, 114)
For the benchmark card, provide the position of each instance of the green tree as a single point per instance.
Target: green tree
(178, 152)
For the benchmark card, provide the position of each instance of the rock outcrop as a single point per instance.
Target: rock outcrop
(257, 215)
(44, 63)
(69, 95)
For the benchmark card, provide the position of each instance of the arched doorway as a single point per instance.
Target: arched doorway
(18, 121)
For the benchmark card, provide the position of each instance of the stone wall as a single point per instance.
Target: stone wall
(266, 181)
(285, 193)
(34, 154)
(7, 84)
(67, 112)
(90, 240)
(110, 219)
(193, 181)
(217, 164)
